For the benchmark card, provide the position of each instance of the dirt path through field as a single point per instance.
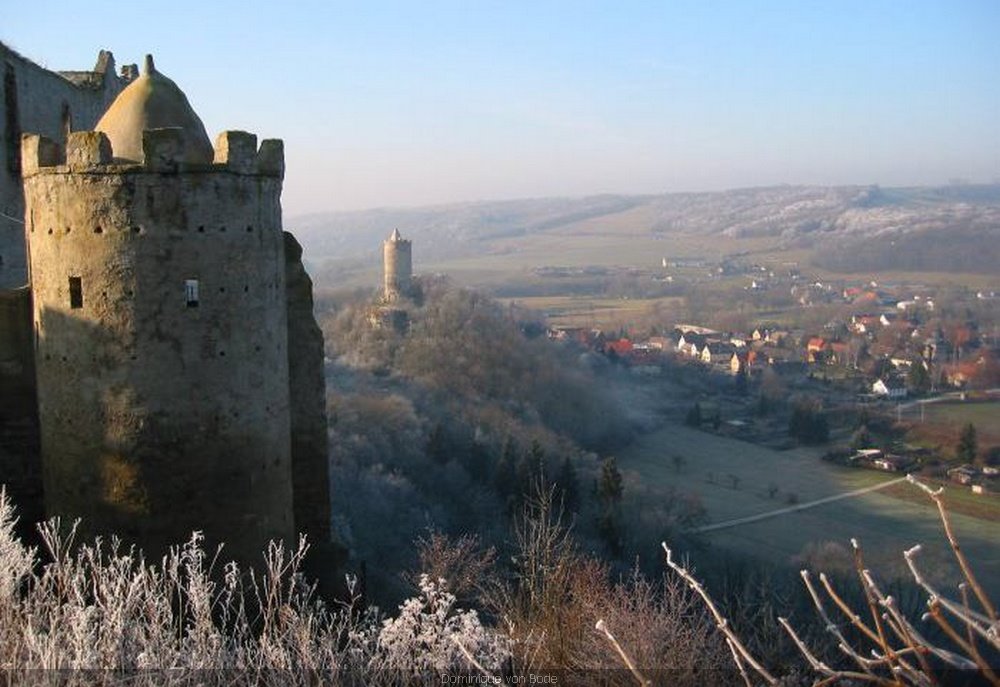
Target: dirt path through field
(797, 507)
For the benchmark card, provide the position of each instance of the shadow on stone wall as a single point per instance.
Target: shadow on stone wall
(150, 476)
(310, 455)
(20, 459)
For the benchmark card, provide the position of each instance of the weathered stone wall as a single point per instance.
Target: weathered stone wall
(37, 100)
(307, 384)
(397, 259)
(20, 468)
(160, 417)
(310, 441)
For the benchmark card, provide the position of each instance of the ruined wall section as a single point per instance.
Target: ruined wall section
(37, 100)
(161, 339)
(307, 383)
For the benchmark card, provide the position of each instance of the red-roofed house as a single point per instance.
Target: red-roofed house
(621, 347)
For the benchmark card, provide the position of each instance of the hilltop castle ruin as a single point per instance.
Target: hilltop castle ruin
(177, 363)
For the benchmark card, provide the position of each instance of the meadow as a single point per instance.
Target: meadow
(942, 423)
(734, 479)
(579, 311)
(582, 245)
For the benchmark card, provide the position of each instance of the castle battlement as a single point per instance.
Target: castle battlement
(164, 151)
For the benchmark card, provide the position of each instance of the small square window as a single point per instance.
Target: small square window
(75, 292)
(191, 292)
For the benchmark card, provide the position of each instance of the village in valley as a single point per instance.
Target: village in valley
(875, 384)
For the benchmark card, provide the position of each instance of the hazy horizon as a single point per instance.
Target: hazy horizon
(407, 105)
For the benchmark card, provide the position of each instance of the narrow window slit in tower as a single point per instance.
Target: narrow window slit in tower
(98, 230)
(191, 292)
(249, 228)
(201, 228)
(75, 292)
(67, 121)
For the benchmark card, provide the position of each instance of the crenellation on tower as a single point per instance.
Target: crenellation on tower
(37, 152)
(271, 157)
(87, 148)
(163, 149)
(237, 150)
(163, 152)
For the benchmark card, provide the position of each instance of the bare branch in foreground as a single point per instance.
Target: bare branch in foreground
(735, 644)
(603, 627)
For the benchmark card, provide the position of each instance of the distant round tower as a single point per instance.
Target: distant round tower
(157, 269)
(397, 258)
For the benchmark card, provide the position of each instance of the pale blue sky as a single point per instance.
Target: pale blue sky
(425, 102)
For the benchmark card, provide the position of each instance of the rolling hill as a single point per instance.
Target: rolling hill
(847, 228)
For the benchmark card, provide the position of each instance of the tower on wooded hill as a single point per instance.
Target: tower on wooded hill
(397, 261)
(158, 272)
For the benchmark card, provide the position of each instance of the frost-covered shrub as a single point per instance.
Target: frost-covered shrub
(15, 559)
(427, 634)
(100, 606)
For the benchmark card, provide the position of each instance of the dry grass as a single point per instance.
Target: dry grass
(556, 596)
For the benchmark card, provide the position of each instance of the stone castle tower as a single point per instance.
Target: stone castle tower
(397, 263)
(161, 329)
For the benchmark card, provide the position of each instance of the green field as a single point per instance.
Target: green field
(985, 416)
(576, 311)
(884, 525)
(603, 243)
(643, 251)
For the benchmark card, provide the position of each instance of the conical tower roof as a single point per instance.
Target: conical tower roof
(153, 101)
